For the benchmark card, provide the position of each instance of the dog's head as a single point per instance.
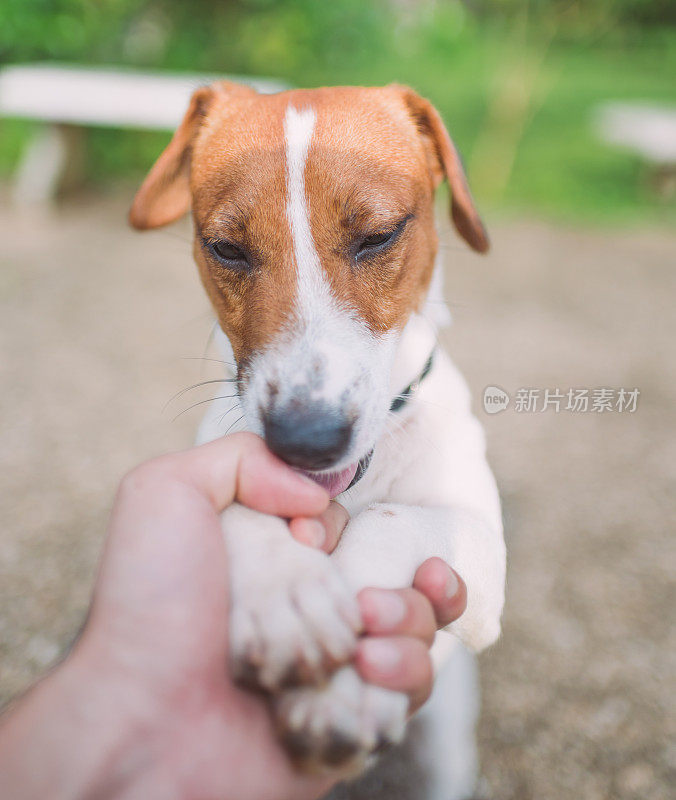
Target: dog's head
(314, 236)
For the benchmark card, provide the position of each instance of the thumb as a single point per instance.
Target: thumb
(237, 467)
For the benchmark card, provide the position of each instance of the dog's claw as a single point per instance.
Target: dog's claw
(340, 725)
(287, 630)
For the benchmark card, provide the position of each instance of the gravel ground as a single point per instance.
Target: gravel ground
(101, 326)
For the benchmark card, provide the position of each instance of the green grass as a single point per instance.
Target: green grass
(551, 163)
(560, 168)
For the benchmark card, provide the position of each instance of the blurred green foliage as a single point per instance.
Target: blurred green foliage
(516, 80)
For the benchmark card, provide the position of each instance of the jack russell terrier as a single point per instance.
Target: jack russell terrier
(314, 236)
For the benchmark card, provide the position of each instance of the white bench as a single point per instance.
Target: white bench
(645, 129)
(67, 99)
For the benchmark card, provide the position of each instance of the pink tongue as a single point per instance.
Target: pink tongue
(334, 482)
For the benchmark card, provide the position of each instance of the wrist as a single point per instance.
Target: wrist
(75, 734)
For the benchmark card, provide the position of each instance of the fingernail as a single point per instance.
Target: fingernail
(381, 655)
(452, 585)
(388, 607)
(315, 531)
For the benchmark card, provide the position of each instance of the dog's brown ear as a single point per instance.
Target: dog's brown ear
(164, 195)
(444, 161)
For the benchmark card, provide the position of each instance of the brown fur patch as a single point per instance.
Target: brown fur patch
(369, 166)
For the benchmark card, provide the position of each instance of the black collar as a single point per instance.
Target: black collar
(403, 398)
(396, 405)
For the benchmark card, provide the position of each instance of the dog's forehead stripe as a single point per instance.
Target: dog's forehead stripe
(312, 288)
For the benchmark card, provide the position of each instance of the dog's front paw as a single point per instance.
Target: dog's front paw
(293, 619)
(337, 727)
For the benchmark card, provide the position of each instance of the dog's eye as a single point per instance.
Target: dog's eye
(229, 255)
(377, 242)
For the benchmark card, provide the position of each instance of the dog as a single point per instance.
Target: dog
(315, 239)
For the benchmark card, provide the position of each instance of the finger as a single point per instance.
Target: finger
(237, 467)
(397, 611)
(444, 588)
(334, 519)
(399, 663)
(308, 531)
(323, 531)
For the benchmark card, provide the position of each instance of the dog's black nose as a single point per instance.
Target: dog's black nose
(307, 436)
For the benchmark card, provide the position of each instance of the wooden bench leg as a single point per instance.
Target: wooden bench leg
(52, 156)
(664, 181)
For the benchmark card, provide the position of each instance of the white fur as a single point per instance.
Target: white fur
(305, 615)
(430, 474)
(428, 492)
(347, 708)
(324, 346)
(313, 293)
(447, 751)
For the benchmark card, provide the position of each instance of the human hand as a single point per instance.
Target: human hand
(143, 706)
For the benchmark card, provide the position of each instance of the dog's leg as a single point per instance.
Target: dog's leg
(293, 618)
(336, 727)
(445, 749)
(383, 546)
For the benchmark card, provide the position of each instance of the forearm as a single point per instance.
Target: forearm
(72, 736)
